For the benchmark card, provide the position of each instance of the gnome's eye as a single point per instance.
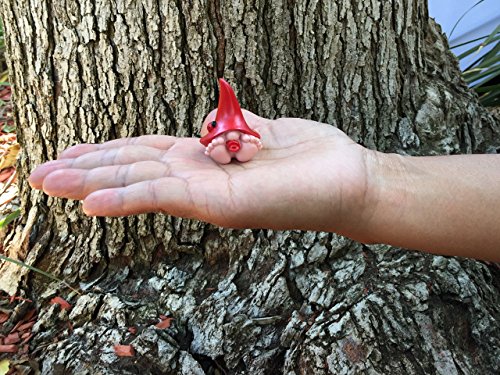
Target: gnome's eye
(211, 126)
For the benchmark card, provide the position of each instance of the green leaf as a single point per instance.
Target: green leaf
(8, 128)
(491, 100)
(469, 42)
(484, 69)
(474, 75)
(491, 37)
(9, 218)
(476, 48)
(484, 89)
(463, 15)
(486, 58)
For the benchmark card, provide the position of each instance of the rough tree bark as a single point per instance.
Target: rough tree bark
(256, 302)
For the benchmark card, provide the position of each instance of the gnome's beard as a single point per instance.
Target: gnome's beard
(233, 144)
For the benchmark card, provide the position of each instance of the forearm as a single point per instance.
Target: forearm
(447, 204)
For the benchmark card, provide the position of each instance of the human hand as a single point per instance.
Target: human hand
(307, 176)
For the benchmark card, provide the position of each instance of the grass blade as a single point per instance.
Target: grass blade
(469, 42)
(10, 218)
(476, 74)
(463, 15)
(484, 89)
(491, 99)
(476, 48)
(37, 270)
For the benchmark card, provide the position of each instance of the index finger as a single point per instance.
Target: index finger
(168, 195)
(162, 142)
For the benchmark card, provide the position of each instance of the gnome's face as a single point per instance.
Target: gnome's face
(208, 128)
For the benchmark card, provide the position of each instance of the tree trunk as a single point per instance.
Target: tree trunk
(253, 301)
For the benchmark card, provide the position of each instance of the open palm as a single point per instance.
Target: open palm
(308, 176)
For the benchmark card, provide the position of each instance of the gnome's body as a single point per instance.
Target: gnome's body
(229, 136)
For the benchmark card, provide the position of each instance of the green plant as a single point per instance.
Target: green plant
(9, 218)
(483, 75)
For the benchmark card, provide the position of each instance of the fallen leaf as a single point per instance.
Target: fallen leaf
(25, 326)
(8, 158)
(6, 173)
(18, 324)
(27, 338)
(4, 366)
(6, 92)
(12, 338)
(124, 350)
(3, 317)
(61, 302)
(132, 330)
(165, 323)
(8, 138)
(30, 314)
(13, 298)
(8, 348)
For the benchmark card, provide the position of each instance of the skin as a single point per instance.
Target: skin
(308, 176)
(217, 150)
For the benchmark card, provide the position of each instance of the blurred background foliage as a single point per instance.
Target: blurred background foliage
(478, 44)
(483, 75)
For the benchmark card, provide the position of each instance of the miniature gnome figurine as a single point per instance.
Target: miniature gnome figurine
(229, 136)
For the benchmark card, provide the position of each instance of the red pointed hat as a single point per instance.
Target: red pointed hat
(229, 116)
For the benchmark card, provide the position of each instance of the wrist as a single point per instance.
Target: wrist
(386, 193)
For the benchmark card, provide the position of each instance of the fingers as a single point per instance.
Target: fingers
(117, 156)
(169, 195)
(162, 142)
(79, 183)
(37, 176)
(112, 156)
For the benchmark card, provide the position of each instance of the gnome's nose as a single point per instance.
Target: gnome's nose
(233, 146)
